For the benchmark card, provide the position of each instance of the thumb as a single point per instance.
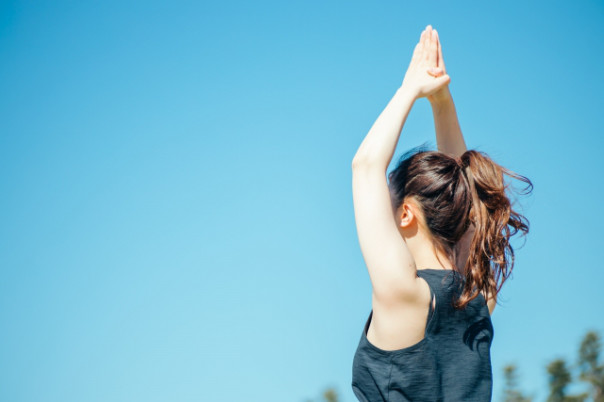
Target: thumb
(435, 71)
(436, 84)
(439, 82)
(443, 80)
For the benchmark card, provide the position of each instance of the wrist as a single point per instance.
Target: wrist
(442, 97)
(407, 93)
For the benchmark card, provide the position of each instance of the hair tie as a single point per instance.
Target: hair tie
(459, 161)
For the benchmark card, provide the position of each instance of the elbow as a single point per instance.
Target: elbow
(356, 162)
(362, 163)
(363, 157)
(358, 159)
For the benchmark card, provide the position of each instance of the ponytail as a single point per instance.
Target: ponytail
(491, 257)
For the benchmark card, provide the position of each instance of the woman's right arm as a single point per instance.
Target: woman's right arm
(449, 138)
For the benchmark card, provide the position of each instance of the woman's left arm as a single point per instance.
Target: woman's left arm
(390, 264)
(379, 144)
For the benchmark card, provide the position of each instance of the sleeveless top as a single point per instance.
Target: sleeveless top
(451, 363)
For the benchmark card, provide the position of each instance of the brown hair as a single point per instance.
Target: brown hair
(455, 192)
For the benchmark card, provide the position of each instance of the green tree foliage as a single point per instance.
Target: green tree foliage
(590, 370)
(511, 393)
(559, 379)
(329, 395)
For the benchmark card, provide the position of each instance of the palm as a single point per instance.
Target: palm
(426, 74)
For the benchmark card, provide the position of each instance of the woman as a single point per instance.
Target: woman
(435, 239)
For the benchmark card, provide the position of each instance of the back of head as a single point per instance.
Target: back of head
(454, 193)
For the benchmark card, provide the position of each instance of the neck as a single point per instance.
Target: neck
(424, 253)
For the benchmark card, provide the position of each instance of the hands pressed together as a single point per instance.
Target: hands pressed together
(426, 75)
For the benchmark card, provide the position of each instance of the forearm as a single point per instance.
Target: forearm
(449, 137)
(379, 144)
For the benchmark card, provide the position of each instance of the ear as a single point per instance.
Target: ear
(405, 215)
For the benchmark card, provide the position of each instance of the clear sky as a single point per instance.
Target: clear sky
(177, 218)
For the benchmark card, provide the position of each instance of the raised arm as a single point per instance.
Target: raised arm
(449, 138)
(389, 262)
(391, 267)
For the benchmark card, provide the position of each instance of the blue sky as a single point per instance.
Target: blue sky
(177, 219)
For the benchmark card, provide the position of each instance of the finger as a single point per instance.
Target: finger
(436, 85)
(441, 61)
(433, 49)
(438, 82)
(427, 39)
(443, 80)
(416, 52)
(435, 71)
(422, 44)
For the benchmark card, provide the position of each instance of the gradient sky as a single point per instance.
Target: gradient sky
(177, 218)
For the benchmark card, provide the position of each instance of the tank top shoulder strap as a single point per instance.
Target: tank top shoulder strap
(441, 282)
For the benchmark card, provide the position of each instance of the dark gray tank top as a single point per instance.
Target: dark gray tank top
(451, 363)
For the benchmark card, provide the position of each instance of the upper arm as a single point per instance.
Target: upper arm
(390, 264)
(492, 303)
